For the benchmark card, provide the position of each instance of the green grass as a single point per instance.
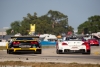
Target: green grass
(41, 64)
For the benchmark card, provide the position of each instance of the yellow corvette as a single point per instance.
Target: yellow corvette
(24, 44)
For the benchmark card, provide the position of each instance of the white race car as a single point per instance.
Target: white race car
(72, 45)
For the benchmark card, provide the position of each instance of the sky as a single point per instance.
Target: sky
(78, 11)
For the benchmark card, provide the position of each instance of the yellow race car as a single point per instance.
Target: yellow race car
(24, 44)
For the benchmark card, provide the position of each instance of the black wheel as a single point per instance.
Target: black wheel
(9, 52)
(38, 52)
(58, 51)
(98, 45)
(88, 52)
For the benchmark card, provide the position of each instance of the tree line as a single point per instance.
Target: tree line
(92, 25)
(53, 22)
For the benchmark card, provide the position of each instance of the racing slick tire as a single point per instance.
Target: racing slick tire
(9, 52)
(58, 51)
(38, 51)
(88, 52)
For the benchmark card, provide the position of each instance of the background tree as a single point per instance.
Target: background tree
(54, 22)
(59, 22)
(15, 26)
(91, 26)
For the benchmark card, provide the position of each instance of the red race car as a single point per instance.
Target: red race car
(93, 42)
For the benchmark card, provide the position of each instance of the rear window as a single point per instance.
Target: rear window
(92, 39)
(74, 39)
(24, 38)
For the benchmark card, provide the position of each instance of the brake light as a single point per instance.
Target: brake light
(96, 40)
(15, 43)
(83, 44)
(87, 45)
(64, 44)
(34, 42)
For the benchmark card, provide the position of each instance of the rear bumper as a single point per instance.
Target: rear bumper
(24, 49)
(77, 49)
(74, 51)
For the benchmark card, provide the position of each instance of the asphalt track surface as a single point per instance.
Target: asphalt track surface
(49, 55)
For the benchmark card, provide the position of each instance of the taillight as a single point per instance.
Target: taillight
(87, 45)
(96, 41)
(64, 44)
(16, 43)
(34, 42)
(83, 44)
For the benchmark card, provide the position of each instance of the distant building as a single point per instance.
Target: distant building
(75, 31)
(3, 32)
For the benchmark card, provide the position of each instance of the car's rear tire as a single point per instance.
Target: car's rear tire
(58, 51)
(38, 52)
(88, 52)
(9, 52)
(97, 44)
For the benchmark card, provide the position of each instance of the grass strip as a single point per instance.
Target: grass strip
(42, 64)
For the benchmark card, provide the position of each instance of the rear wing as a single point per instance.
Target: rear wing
(24, 36)
(34, 37)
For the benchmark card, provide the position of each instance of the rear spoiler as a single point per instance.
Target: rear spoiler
(25, 36)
